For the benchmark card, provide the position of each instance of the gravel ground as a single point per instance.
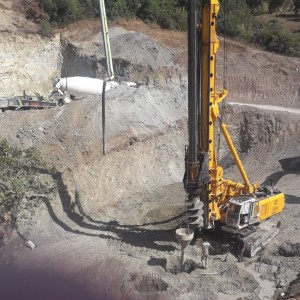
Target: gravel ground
(109, 232)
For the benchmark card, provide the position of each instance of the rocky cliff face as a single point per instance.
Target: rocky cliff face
(28, 62)
(255, 76)
(136, 58)
(258, 126)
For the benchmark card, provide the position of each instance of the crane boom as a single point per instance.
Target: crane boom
(106, 41)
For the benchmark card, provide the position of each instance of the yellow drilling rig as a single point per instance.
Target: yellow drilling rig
(213, 202)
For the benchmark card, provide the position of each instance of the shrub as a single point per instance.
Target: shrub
(261, 9)
(62, 11)
(120, 8)
(273, 38)
(274, 5)
(45, 27)
(23, 181)
(180, 19)
(172, 14)
(240, 19)
(32, 10)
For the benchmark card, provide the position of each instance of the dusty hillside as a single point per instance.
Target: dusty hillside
(252, 75)
(109, 232)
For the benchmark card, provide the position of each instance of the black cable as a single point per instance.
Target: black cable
(103, 118)
(225, 67)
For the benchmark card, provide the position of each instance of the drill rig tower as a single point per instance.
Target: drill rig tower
(214, 202)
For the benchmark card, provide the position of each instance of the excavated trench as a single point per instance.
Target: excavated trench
(150, 283)
(188, 267)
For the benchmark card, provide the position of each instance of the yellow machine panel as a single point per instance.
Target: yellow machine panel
(271, 206)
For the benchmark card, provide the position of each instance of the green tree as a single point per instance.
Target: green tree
(274, 5)
(45, 27)
(25, 180)
(172, 14)
(31, 9)
(258, 7)
(165, 13)
(296, 7)
(254, 4)
(90, 7)
(62, 11)
(68, 10)
(149, 10)
(180, 18)
(120, 8)
(238, 16)
(50, 7)
(272, 37)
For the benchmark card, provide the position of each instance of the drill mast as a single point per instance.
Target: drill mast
(207, 191)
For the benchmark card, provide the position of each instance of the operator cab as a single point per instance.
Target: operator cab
(242, 211)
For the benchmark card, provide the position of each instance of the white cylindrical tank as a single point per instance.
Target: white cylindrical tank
(79, 86)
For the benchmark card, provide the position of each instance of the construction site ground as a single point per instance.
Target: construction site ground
(109, 232)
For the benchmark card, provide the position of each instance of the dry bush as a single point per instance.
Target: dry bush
(31, 10)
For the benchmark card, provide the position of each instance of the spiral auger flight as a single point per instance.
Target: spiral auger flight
(194, 208)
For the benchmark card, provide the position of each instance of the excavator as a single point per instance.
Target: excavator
(212, 201)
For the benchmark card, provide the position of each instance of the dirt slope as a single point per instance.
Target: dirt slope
(251, 75)
(109, 232)
(119, 209)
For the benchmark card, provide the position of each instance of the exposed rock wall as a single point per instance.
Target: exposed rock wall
(255, 76)
(75, 63)
(28, 62)
(136, 57)
(253, 126)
